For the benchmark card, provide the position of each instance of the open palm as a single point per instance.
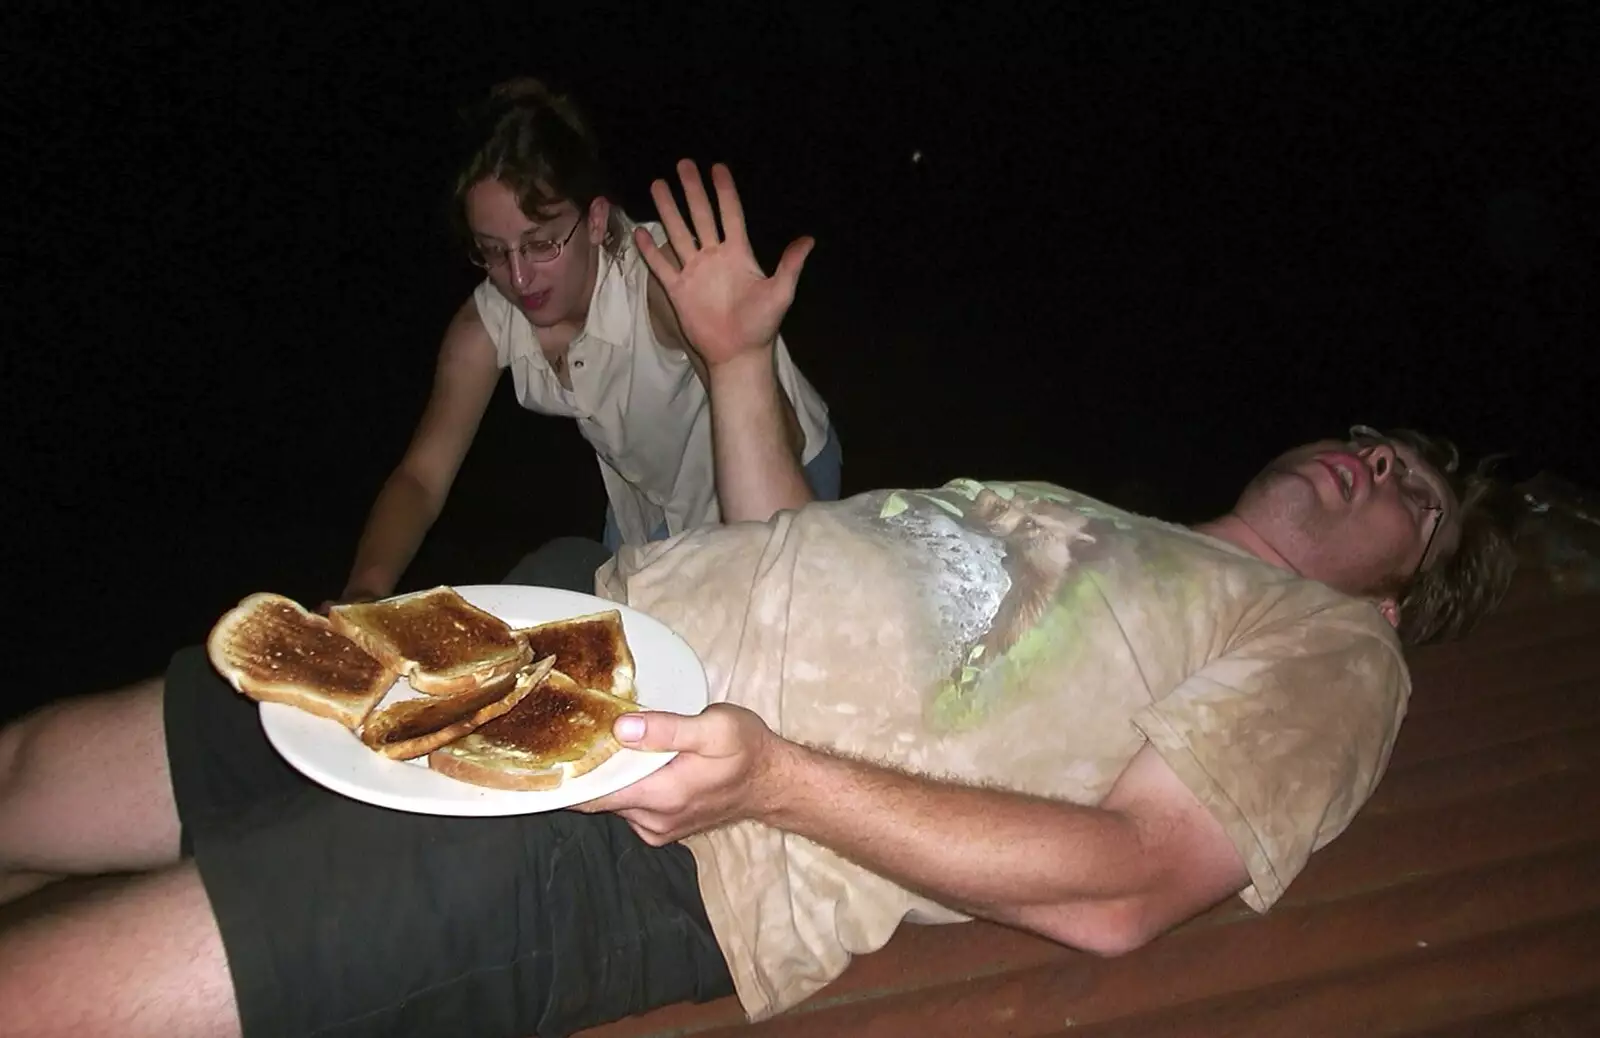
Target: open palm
(727, 306)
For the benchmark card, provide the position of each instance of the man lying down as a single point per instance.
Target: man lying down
(994, 700)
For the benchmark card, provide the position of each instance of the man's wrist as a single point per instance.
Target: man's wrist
(780, 782)
(743, 365)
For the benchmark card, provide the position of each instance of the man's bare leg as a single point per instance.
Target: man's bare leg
(84, 787)
(144, 958)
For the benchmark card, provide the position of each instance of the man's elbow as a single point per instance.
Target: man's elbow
(1104, 928)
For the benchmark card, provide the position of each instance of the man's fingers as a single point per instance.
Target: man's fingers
(793, 261)
(620, 802)
(660, 265)
(671, 219)
(648, 827)
(654, 799)
(728, 202)
(694, 192)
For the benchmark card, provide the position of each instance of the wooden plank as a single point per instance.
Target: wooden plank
(1455, 779)
(1559, 629)
(1240, 986)
(1562, 1018)
(1430, 990)
(1493, 721)
(677, 1021)
(1528, 819)
(947, 991)
(1507, 631)
(1453, 684)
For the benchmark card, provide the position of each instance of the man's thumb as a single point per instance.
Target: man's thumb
(646, 730)
(793, 259)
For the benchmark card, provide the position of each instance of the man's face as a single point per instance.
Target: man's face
(1359, 516)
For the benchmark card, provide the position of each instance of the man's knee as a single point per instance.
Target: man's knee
(19, 736)
(11, 739)
(28, 744)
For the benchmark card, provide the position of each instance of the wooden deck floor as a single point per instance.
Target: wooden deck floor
(1463, 901)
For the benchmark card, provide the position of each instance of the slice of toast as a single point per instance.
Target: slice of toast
(413, 727)
(591, 650)
(442, 643)
(273, 650)
(559, 731)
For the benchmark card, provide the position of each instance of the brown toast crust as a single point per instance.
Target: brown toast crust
(481, 773)
(520, 780)
(442, 643)
(273, 650)
(413, 727)
(348, 713)
(592, 650)
(560, 730)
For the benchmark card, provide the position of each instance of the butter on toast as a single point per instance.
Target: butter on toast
(273, 650)
(413, 727)
(591, 650)
(558, 731)
(442, 643)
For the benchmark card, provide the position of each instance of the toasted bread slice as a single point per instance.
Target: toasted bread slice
(442, 643)
(413, 727)
(559, 731)
(273, 650)
(591, 650)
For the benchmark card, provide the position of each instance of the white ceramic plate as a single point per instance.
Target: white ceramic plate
(668, 676)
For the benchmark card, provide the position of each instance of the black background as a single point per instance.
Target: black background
(1145, 247)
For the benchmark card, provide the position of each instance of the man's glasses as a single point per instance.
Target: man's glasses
(1413, 484)
(540, 250)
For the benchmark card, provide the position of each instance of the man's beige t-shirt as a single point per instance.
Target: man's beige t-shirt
(1026, 637)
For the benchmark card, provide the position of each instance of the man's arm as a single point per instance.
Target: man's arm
(1105, 879)
(664, 321)
(729, 310)
(758, 469)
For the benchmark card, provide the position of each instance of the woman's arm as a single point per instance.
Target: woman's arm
(415, 493)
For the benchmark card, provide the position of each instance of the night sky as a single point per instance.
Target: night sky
(1132, 251)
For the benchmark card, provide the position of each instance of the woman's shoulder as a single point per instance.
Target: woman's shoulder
(621, 229)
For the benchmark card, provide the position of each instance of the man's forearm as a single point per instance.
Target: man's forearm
(758, 470)
(996, 854)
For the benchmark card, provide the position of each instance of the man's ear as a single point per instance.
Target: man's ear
(1390, 610)
(599, 219)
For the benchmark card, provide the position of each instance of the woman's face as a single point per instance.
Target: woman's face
(545, 267)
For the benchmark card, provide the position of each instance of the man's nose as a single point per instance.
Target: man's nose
(1381, 461)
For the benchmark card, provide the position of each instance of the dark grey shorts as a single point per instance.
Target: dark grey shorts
(344, 919)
